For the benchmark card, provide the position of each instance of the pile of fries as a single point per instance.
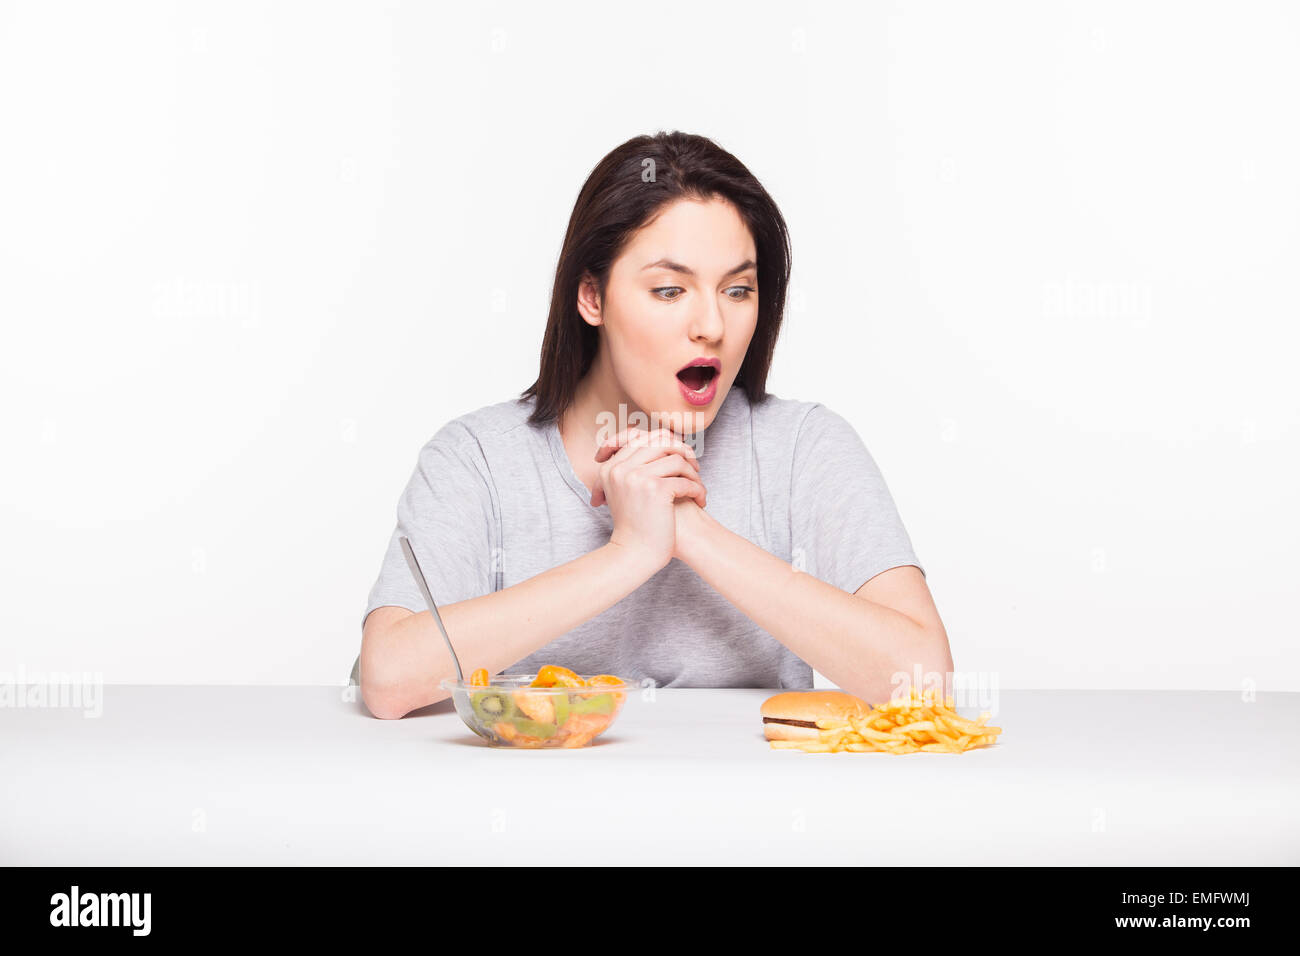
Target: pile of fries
(900, 726)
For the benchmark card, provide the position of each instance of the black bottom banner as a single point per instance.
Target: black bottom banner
(932, 905)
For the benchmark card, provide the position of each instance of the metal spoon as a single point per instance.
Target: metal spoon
(414, 565)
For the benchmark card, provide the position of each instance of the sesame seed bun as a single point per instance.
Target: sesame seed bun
(806, 707)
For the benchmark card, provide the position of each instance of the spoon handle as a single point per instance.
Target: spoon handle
(414, 565)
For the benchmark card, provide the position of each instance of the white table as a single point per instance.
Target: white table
(299, 775)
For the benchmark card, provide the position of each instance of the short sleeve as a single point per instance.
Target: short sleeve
(844, 527)
(447, 512)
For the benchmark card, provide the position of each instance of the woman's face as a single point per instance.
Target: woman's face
(684, 288)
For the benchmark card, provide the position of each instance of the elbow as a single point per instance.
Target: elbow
(395, 699)
(387, 687)
(384, 696)
(382, 690)
(383, 702)
(935, 656)
(928, 660)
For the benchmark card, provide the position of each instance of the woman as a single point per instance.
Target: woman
(627, 515)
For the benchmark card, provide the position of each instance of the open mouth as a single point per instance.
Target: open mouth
(697, 377)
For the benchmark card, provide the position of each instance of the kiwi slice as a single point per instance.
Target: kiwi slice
(600, 704)
(534, 728)
(491, 706)
(561, 708)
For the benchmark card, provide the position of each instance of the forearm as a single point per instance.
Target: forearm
(856, 643)
(406, 661)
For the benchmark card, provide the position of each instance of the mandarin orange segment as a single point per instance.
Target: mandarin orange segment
(553, 675)
(479, 678)
(605, 680)
(539, 707)
(584, 728)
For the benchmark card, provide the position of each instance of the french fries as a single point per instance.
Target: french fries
(913, 724)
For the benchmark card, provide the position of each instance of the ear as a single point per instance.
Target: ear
(589, 306)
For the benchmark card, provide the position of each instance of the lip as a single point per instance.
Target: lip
(715, 364)
(699, 398)
(706, 396)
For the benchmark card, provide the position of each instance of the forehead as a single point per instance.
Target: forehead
(708, 237)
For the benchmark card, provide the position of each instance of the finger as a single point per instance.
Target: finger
(663, 462)
(637, 457)
(640, 436)
(669, 466)
(662, 439)
(668, 470)
(667, 438)
(614, 443)
(615, 456)
(687, 488)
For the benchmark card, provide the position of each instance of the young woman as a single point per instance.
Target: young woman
(629, 516)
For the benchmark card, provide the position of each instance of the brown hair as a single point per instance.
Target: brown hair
(626, 190)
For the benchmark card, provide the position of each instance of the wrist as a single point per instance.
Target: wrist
(692, 523)
(639, 562)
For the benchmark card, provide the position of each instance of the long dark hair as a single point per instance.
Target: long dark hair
(626, 190)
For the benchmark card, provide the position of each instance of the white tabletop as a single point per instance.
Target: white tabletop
(300, 775)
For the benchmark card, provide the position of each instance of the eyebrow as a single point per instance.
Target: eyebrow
(678, 267)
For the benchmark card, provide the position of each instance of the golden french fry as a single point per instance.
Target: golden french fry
(941, 724)
(967, 726)
(832, 723)
(870, 734)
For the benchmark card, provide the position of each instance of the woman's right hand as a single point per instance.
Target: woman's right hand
(642, 475)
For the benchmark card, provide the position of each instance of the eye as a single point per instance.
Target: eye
(744, 290)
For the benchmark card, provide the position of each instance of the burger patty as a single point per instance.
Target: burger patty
(792, 723)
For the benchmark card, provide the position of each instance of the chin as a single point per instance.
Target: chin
(680, 416)
(692, 420)
(701, 420)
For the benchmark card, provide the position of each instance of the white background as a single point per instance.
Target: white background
(253, 255)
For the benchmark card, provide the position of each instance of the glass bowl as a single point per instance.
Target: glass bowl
(510, 713)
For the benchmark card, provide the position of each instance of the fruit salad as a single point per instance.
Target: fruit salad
(555, 708)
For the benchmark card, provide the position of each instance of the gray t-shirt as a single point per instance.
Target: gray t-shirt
(494, 501)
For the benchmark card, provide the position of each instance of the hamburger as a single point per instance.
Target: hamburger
(793, 714)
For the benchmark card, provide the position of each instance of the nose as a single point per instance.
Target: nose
(706, 324)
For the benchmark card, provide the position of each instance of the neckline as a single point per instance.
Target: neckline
(565, 467)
